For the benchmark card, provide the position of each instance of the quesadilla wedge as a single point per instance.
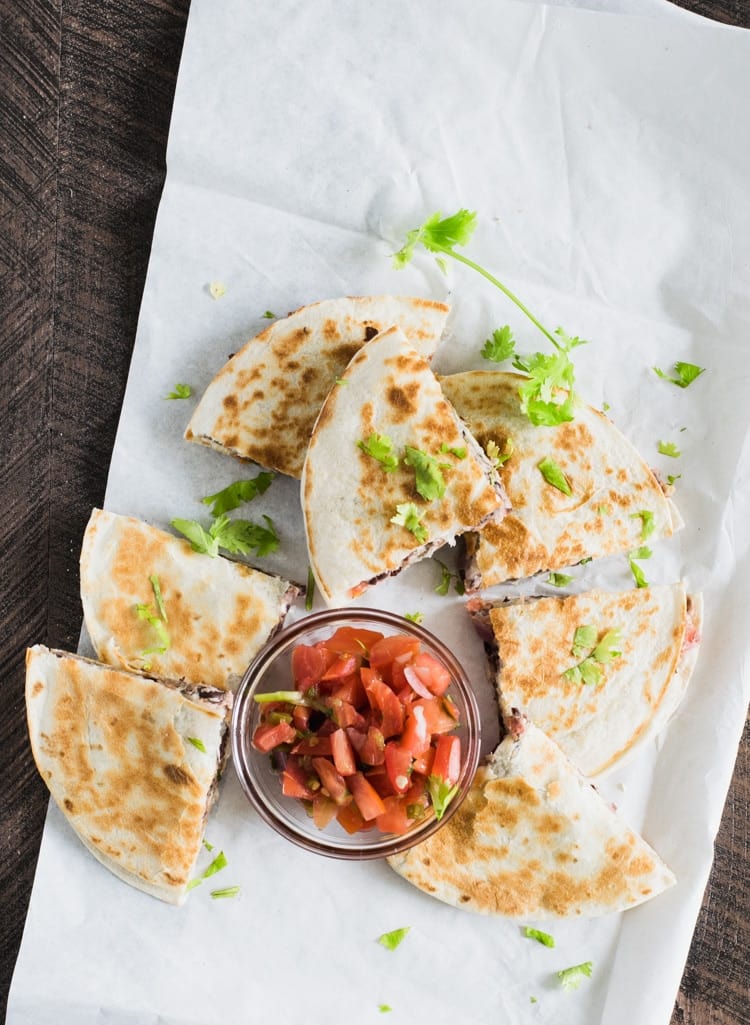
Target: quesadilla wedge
(133, 763)
(262, 405)
(534, 840)
(600, 673)
(614, 502)
(391, 473)
(209, 621)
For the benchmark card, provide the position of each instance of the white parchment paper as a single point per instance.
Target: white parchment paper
(608, 157)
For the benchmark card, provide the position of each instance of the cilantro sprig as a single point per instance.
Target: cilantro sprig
(594, 652)
(394, 938)
(547, 373)
(441, 794)
(644, 552)
(445, 580)
(647, 522)
(428, 473)
(495, 455)
(380, 447)
(686, 374)
(407, 515)
(180, 391)
(238, 537)
(554, 475)
(234, 495)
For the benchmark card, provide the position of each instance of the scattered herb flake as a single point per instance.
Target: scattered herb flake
(458, 452)
(553, 474)
(384, 1008)
(228, 891)
(414, 617)
(600, 652)
(605, 407)
(559, 580)
(668, 448)
(310, 590)
(217, 290)
(686, 374)
(148, 613)
(180, 391)
(441, 794)
(269, 316)
(445, 580)
(501, 346)
(393, 939)
(158, 597)
(233, 496)
(380, 447)
(207, 845)
(647, 522)
(586, 561)
(539, 936)
(495, 456)
(603, 510)
(571, 978)
(638, 575)
(584, 640)
(672, 477)
(407, 515)
(197, 742)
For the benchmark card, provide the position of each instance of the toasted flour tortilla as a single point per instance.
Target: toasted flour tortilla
(219, 613)
(599, 725)
(262, 405)
(349, 499)
(547, 529)
(533, 840)
(113, 747)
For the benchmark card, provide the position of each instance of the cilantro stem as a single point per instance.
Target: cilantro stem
(498, 284)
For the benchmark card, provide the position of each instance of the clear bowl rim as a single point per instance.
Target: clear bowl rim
(279, 644)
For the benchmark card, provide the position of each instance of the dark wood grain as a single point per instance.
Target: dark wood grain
(86, 89)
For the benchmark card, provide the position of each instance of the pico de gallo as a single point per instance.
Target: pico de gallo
(367, 734)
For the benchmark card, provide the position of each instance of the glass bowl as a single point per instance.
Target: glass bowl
(271, 671)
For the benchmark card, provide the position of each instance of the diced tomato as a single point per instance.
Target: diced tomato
(324, 809)
(343, 753)
(447, 763)
(432, 673)
(301, 716)
(308, 663)
(366, 797)
(382, 698)
(351, 640)
(416, 737)
(295, 781)
(269, 735)
(344, 665)
(398, 648)
(395, 818)
(314, 745)
(345, 714)
(350, 818)
(372, 751)
(398, 766)
(423, 764)
(350, 689)
(332, 780)
(438, 718)
(378, 778)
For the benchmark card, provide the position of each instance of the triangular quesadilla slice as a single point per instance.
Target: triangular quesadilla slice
(599, 672)
(391, 473)
(262, 405)
(133, 763)
(614, 504)
(534, 840)
(211, 616)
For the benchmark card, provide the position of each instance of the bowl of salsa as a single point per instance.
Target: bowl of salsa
(355, 733)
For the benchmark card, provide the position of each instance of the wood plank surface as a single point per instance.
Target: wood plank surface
(86, 89)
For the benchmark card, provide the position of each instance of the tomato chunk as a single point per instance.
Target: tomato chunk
(343, 753)
(366, 797)
(447, 763)
(269, 735)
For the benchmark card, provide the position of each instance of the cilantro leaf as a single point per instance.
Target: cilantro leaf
(391, 940)
(156, 587)
(458, 452)
(180, 391)
(199, 538)
(197, 742)
(584, 640)
(638, 575)
(219, 862)
(686, 374)
(384, 1008)
(153, 618)
(407, 515)
(547, 374)
(430, 482)
(495, 456)
(571, 978)
(647, 522)
(668, 448)
(232, 496)
(672, 477)
(605, 651)
(553, 474)
(445, 580)
(269, 316)
(441, 794)
(380, 447)
(240, 537)
(539, 936)
(501, 346)
(559, 580)
(414, 617)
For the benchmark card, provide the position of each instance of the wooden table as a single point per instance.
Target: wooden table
(86, 89)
